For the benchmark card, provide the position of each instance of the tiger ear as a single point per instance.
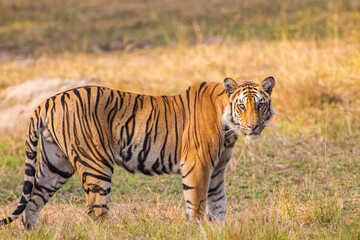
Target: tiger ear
(230, 86)
(268, 84)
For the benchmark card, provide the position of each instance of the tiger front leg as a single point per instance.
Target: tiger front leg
(97, 197)
(97, 187)
(195, 178)
(216, 204)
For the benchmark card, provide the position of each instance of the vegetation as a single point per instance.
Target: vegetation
(300, 180)
(38, 27)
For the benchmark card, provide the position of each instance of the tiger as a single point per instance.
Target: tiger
(91, 129)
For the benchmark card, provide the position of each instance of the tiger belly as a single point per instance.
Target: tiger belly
(155, 163)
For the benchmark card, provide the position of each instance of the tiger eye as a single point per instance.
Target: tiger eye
(241, 106)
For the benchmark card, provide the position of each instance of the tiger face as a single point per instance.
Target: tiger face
(250, 106)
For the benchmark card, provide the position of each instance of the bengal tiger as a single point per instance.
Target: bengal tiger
(90, 129)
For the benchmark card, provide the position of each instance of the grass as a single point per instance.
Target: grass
(32, 28)
(285, 195)
(300, 180)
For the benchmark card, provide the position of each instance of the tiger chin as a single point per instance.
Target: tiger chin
(91, 129)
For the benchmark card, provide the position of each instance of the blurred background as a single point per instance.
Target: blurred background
(301, 179)
(34, 28)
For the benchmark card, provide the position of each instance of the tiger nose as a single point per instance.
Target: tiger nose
(253, 126)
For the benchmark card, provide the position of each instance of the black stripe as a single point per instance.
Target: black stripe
(88, 91)
(79, 97)
(126, 168)
(218, 199)
(112, 113)
(29, 170)
(40, 196)
(212, 92)
(155, 166)
(215, 193)
(216, 187)
(131, 121)
(27, 188)
(192, 168)
(110, 99)
(188, 98)
(30, 155)
(86, 164)
(54, 169)
(19, 209)
(146, 144)
(176, 133)
(52, 120)
(32, 133)
(47, 105)
(163, 149)
(23, 200)
(223, 92)
(213, 176)
(183, 110)
(211, 158)
(94, 188)
(41, 188)
(99, 177)
(64, 121)
(201, 86)
(156, 125)
(186, 187)
(129, 154)
(100, 206)
(170, 163)
(195, 135)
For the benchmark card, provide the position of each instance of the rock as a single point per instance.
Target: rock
(17, 103)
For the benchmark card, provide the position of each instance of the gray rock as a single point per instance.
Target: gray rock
(17, 103)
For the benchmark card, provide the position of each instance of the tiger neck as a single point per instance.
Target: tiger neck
(231, 129)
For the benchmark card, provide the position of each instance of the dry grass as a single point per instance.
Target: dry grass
(319, 71)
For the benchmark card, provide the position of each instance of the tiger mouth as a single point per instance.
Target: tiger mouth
(253, 135)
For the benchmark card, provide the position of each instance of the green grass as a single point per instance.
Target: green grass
(35, 28)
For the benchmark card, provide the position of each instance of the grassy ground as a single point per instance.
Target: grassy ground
(34, 27)
(300, 180)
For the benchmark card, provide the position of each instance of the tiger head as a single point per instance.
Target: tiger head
(250, 106)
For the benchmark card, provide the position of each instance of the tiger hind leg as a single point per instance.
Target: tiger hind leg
(53, 171)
